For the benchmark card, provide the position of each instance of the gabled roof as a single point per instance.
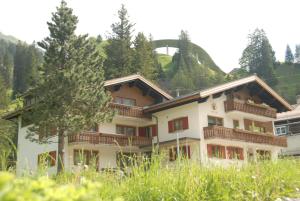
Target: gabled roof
(141, 78)
(215, 90)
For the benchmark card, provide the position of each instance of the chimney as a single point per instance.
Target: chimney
(298, 99)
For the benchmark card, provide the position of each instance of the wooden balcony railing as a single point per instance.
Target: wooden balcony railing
(100, 138)
(130, 111)
(243, 135)
(261, 110)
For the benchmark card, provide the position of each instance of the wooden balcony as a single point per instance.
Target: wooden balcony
(243, 135)
(231, 105)
(113, 139)
(129, 111)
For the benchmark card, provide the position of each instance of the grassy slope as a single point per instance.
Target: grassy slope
(165, 61)
(288, 81)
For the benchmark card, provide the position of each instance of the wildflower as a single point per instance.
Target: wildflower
(253, 177)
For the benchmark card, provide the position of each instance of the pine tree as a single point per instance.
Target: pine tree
(144, 57)
(259, 57)
(289, 57)
(119, 51)
(71, 94)
(297, 54)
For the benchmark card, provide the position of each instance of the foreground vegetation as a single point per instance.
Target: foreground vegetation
(155, 181)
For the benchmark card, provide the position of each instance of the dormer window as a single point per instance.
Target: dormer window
(125, 101)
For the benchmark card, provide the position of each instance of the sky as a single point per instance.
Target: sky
(220, 27)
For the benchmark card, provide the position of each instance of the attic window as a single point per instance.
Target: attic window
(125, 101)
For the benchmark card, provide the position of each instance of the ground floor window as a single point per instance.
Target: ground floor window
(235, 153)
(263, 155)
(86, 157)
(185, 152)
(47, 159)
(126, 159)
(216, 151)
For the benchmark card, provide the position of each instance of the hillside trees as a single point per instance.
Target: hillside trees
(119, 51)
(27, 61)
(297, 54)
(258, 57)
(71, 94)
(289, 57)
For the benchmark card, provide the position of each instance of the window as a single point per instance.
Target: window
(148, 131)
(236, 124)
(126, 130)
(185, 152)
(215, 121)
(263, 155)
(125, 101)
(86, 157)
(47, 159)
(281, 130)
(178, 124)
(216, 151)
(46, 132)
(235, 153)
(126, 159)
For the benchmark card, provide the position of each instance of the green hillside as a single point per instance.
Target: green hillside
(9, 38)
(288, 76)
(202, 55)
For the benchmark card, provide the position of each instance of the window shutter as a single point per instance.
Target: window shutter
(185, 122)
(52, 155)
(241, 152)
(154, 130)
(171, 126)
(223, 151)
(142, 131)
(188, 151)
(209, 150)
(171, 156)
(229, 152)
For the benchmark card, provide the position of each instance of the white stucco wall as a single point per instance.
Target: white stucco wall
(27, 155)
(189, 110)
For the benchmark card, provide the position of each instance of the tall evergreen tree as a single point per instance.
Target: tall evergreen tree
(144, 57)
(297, 54)
(289, 57)
(119, 51)
(259, 57)
(71, 94)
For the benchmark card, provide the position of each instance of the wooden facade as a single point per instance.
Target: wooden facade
(220, 132)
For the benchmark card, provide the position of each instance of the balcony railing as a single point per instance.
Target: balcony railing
(101, 138)
(129, 111)
(231, 105)
(243, 135)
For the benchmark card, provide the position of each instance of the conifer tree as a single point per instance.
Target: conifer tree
(144, 57)
(70, 95)
(297, 54)
(119, 51)
(289, 57)
(259, 57)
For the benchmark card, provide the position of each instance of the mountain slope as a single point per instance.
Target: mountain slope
(9, 38)
(202, 55)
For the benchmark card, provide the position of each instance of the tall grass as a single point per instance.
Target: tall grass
(183, 180)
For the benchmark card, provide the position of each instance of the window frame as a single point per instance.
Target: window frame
(236, 126)
(216, 120)
(125, 126)
(122, 100)
(280, 128)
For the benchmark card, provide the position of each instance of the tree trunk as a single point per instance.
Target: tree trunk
(60, 157)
